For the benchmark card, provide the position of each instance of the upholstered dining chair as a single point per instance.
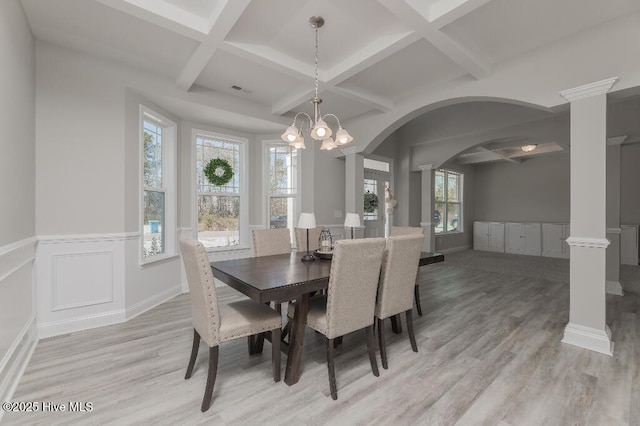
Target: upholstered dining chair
(349, 304)
(408, 230)
(269, 242)
(301, 239)
(218, 323)
(395, 290)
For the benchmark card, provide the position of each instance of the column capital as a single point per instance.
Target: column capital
(426, 167)
(589, 90)
(351, 150)
(617, 140)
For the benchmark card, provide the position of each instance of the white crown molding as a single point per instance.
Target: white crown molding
(589, 90)
(588, 242)
(616, 140)
(589, 338)
(614, 230)
(351, 150)
(426, 167)
(85, 238)
(615, 288)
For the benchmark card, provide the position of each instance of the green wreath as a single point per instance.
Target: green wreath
(218, 171)
(370, 202)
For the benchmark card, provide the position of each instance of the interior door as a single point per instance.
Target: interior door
(375, 182)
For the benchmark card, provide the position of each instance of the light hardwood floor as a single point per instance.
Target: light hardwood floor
(489, 353)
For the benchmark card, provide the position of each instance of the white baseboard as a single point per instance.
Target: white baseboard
(16, 360)
(151, 302)
(589, 338)
(454, 249)
(72, 325)
(615, 288)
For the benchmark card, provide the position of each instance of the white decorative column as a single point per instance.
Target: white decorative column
(587, 326)
(613, 284)
(354, 181)
(428, 206)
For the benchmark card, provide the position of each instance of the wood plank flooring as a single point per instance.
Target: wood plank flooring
(489, 354)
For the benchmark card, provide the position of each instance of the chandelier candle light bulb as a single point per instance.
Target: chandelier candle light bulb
(318, 128)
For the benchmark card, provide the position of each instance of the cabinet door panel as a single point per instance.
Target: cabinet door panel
(480, 235)
(552, 239)
(514, 238)
(496, 237)
(532, 243)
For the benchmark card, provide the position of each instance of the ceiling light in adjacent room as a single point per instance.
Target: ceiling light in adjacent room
(528, 148)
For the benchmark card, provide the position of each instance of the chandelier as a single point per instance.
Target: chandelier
(528, 148)
(318, 128)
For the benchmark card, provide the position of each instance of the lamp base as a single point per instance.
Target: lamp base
(308, 257)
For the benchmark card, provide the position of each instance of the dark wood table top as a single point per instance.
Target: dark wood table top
(282, 277)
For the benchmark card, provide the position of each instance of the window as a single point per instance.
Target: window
(158, 185)
(220, 209)
(370, 194)
(281, 165)
(448, 198)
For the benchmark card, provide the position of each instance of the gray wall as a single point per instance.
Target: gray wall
(630, 184)
(17, 187)
(536, 190)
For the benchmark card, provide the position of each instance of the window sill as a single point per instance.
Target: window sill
(449, 233)
(158, 259)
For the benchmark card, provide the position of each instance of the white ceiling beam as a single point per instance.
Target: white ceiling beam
(500, 155)
(163, 14)
(272, 59)
(445, 12)
(225, 16)
(370, 55)
(465, 59)
(379, 103)
(478, 157)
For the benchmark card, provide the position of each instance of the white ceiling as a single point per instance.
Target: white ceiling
(373, 53)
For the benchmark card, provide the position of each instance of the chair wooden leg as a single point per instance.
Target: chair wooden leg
(372, 351)
(251, 344)
(194, 354)
(381, 344)
(337, 342)
(275, 354)
(412, 336)
(416, 292)
(396, 324)
(332, 371)
(278, 307)
(211, 378)
(286, 330)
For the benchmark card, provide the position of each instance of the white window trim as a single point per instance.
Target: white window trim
(170, 173)
(266, 194)
(460, 229)
(245, 241)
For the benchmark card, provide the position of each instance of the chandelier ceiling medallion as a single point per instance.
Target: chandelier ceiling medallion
(318, 128)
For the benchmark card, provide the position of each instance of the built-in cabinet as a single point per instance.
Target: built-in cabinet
(554, 240)
(523, 238)
(488, 236)
(629, 245)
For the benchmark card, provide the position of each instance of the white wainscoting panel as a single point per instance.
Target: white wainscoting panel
(18, 334)
(81, 281)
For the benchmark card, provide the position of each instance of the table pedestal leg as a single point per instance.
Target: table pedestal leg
(294, 358)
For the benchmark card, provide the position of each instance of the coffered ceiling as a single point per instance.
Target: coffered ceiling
(372, 55)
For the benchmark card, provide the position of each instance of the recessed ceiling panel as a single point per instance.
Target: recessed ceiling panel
(99, 30)
(502, 29)
(201, 8)
(416, 66)
(333, 103)
(283, 26)
(258, 83)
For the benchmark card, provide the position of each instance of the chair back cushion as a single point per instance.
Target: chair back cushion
(202, 290)
(301, 239)
(268, 242)
(406, 230)
(353, 282)
(398, 274)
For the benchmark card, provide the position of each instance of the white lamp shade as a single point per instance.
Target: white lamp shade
(343, 137)
(290, 135)
(307, 221)
(352, 220)
(328, 144)
(321, 131)
(298, 143)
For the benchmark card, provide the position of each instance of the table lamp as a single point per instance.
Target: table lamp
(307, 221)
(352, 220)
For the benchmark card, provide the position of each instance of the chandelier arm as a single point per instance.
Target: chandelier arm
(334, 116)
(306, 115)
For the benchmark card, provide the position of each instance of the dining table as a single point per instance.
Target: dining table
(283, 278)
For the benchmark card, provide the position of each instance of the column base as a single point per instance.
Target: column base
(615, 288)
(589, 338)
